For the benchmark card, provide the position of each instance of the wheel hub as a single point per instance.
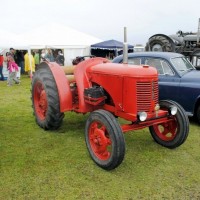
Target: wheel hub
(40, 101)
(157, 47)
(99, 141)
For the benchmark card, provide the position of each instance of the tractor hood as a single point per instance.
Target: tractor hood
(123, 70)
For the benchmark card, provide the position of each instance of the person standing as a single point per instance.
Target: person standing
(12, 53)
(42, 56)
(20, 57)
(49, 56)
(37, 58)
(60, 58)
(29, 63)
(1, 67)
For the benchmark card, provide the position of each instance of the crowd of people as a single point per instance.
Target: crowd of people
(21, 60)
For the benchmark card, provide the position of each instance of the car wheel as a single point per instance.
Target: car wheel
(198, 114)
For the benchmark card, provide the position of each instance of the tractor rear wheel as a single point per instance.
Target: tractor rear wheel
(45, 100)
(104, 139)
(159, 43)
(173, 133)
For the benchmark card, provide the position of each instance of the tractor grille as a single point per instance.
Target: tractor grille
(147, 95)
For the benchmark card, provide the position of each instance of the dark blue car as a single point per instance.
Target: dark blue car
(178, 78)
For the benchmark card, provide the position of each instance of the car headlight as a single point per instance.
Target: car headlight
(173, 110)
(142, 116)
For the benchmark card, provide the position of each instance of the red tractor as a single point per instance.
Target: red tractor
(108, 91)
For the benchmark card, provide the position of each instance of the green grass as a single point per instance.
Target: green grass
(38, 164)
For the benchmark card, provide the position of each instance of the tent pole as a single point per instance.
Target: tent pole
(29, 54)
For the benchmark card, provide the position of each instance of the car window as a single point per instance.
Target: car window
(155, 63)
(134, 61)
(161, 66)
(167, 69)
(182, 65)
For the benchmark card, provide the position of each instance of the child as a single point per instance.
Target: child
(13, 69)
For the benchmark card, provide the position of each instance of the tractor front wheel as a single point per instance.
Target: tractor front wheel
(174, 132)
(45, 100)
(104, 139)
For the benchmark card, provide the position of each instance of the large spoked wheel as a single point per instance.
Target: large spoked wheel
(174, 132)
(104, 139)
(45, 100)
(159, 43)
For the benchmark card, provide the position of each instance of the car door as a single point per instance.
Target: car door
(168, 80)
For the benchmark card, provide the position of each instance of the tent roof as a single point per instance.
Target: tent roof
(57, 36)
(8, 40)
(109, 44)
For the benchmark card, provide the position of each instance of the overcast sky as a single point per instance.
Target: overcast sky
(104, 19)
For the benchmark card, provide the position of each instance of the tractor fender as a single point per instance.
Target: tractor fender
(163, 35)
(171, 40)
(82, 80)
(63, 86)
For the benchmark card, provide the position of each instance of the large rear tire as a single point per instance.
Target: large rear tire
(104, 139)
(173, 133)
(159, 43)
(45, 100)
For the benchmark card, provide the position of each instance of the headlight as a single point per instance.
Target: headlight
(173, 110)
(142, 116)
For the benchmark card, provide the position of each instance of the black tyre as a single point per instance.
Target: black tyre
(104, 139)
(45, 100)
(174, 132)
(197, 115)
(159, 43)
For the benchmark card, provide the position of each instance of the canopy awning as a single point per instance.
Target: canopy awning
(110, 44)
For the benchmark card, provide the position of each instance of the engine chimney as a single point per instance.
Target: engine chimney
(198, 32)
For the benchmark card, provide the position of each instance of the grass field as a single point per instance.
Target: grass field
(38, 164)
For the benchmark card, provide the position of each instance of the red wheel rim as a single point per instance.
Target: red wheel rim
(166, 131)
(99, 141)
(40, 100)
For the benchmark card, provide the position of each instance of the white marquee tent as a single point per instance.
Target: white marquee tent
(55, 36)
(8, 40)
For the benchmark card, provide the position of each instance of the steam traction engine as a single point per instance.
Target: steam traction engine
(107, 91)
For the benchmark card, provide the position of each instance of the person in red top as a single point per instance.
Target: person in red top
(1, 67)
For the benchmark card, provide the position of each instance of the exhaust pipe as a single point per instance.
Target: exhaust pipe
(125, 47)
(198, 32)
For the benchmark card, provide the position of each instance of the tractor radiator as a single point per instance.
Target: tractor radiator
(147, 95)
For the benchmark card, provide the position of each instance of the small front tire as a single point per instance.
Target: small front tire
(104, 139)
(174, 132)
